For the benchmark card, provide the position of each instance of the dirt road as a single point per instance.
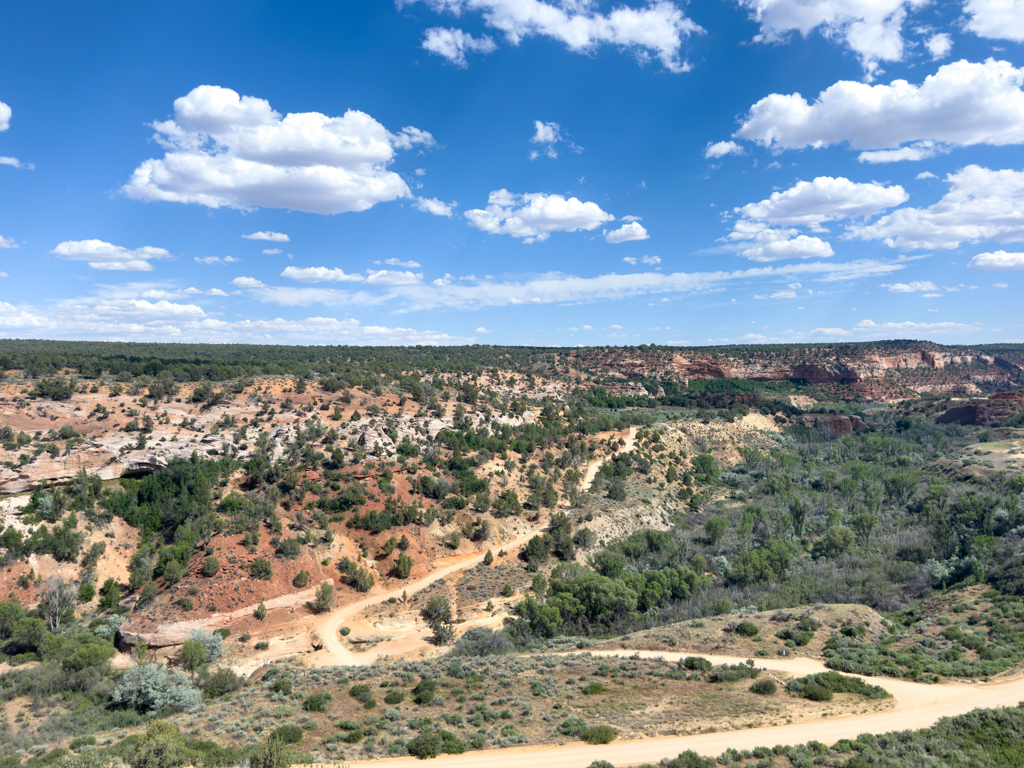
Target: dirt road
(327, 626)
(588, 478)
(916, 706)
(337, 651)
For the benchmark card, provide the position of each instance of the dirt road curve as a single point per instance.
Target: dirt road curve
(588, 478)
(327, 626)
(917, 706)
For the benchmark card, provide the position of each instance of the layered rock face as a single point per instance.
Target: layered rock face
(867, 366)
(990, 412)
(95, 459)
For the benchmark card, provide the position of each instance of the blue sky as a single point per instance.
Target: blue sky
(513, 171)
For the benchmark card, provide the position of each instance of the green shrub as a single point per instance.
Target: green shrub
(833, 682)
(600, 734)
(698, 663)
(763, 687)
(798, 637)
(211, 566)
(424, 692)
(261, 568)
(730, 673)
(452, 744)
(271, 753)
(289, 548)
(223, 681)
(816, 692)
(426, 745)
(317, 702)
(593, 688)
(747, 629)
(807, 624)
(573, 726)
(393, 697)
(301, 579)
(289, 734)
(324, 598)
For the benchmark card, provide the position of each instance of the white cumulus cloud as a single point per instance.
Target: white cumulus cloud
(15, 163)
(630, 231)
(546, 133)
(939, 45)
(655, 30)
(981, 204)
(103, 255)
(226, 150)
(272, 251)
(392, 277)
(434, 206)
(216, 260)
(7, 242)
(393, 262)
(274, 237)
(799, 247)
(996, 19)
(917, 285)
(319, 275)
(997, 260)
(721, 149)
(453, 44)
(871, 28)
(962, 104)
(810, 203)
(5, 117)
(534, 216)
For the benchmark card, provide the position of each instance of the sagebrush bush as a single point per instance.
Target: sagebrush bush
(600, 734)
(152, 687)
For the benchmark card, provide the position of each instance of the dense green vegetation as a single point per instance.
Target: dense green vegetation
(359, 365)
(867, 518)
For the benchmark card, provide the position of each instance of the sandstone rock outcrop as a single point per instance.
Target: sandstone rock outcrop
(142, 630)
(989, 412)
(95, 459)
(835, 423)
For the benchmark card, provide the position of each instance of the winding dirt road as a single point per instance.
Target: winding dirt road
(916, 706)
(327, 626)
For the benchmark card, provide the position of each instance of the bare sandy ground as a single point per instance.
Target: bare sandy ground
(917, 705)
(592, 470)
